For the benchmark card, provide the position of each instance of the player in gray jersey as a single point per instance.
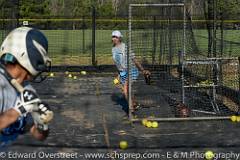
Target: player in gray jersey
(23, 57)
(119, 55)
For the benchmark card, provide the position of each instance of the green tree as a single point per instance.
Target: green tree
(34, 9)
(82, 8)
(228, 9)
(56, 7)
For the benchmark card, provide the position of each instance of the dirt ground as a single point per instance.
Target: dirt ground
(90, 117)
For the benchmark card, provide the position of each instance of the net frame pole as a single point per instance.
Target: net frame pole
(157, 5)
(184, 53)
(130, 107)
(93, 36)
(170, 54)
(175, 119)
(238, 78)
(154, 41)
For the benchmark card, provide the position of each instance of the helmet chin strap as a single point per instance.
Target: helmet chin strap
(40, 77)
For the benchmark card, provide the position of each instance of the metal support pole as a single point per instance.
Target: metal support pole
(161, 40)
(214, 29)
(239, 75)
(93, 36)
(174, 119)
(18, 13)
(129, 63)
(183, 54)
(215, 66)
(83, 37)
(170, 37)
(222, 41)
(154, 41)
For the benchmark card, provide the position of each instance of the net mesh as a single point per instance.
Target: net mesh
(194, 64)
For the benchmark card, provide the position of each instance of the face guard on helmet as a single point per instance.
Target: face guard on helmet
(28, 47)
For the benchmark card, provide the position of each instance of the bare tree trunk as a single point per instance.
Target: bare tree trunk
(209, 16)
(191, 34)
(115, 4)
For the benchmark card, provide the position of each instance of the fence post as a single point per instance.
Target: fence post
(239, 76)
(18, 13)
(93, 36)
(83, 33)
(154, 41)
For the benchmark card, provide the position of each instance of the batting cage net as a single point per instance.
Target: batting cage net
(156, 38)
(156, 32)
(194, 71)
(210, 86)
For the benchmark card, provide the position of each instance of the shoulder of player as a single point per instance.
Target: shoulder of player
(3, 81)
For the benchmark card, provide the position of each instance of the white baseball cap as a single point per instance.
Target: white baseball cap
(117, 33)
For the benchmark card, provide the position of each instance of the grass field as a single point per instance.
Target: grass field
(74, 47)
(231, 41)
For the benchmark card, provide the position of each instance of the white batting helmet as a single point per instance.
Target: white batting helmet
(27, 46)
